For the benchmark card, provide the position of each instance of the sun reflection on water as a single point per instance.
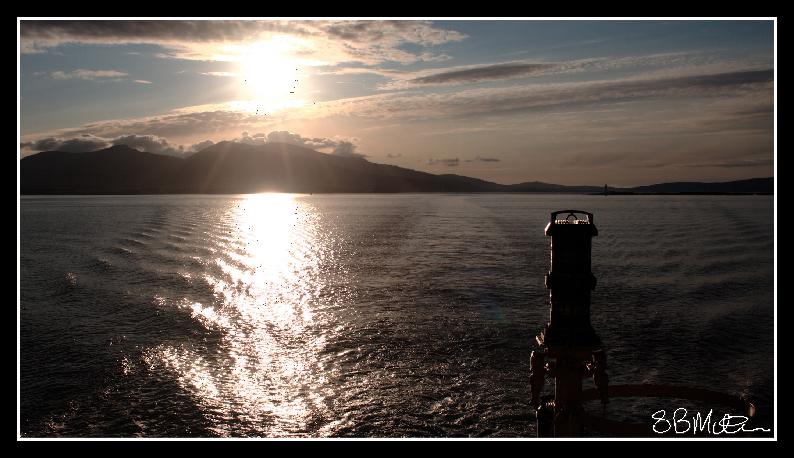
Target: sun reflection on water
(265, 280)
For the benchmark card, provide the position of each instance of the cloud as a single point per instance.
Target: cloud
(481, 159)
(201, 145)
(42, 34)
(449, 162)
(468, 74)
(85, 74)
(385, 72)
(552, 96)
(221, 74)
(339, 146)
(256, 139)
(336, 146)
(483, 73)
(189, 122)
(738, 100)
(331, 41)
(283, 136)
(419, 32)
(150, 144)
(87, 142)
(142, 81)
(347, 149)
(677, 155)
(738, 163)
(393, 155)
(80, 144)
(431, 57)
(667, 64)
(607, 159)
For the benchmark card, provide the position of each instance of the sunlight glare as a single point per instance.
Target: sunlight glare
(270, 73)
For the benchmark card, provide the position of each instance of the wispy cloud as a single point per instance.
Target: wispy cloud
(560, 96)
(665, 64)
(187, 122)
(449, 162)
(142, 81)
(385, 72)
(475, 74)
(221, 74)
(85, 74)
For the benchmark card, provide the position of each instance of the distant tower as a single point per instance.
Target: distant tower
(605, 189)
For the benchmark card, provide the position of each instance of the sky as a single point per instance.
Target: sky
(569, 102)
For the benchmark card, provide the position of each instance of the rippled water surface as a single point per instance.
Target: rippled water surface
(369, 315)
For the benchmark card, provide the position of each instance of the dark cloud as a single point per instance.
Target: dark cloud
(151, 31)
(449, 162)
(739, 163)
(201, 145)
(356, 31)
(650, 159)
(483, 73)
(80, 144)
(87, 142)
(760, 111)
(486, 159)
(393, 155)
(724, 79)
(421, 32)
(619, 159)
(527, 68)
(150, 144)
(77, 142)
(214, 123)
(362, 41)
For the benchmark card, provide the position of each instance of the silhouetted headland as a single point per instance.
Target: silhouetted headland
(230, 168)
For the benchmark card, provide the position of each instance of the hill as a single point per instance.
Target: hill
(230, 168)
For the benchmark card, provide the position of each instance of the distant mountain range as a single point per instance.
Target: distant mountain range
(230, 168)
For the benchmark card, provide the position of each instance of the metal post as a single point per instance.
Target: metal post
(569, 349)
(568, 341)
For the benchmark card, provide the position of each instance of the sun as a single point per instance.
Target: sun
(270, 75)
